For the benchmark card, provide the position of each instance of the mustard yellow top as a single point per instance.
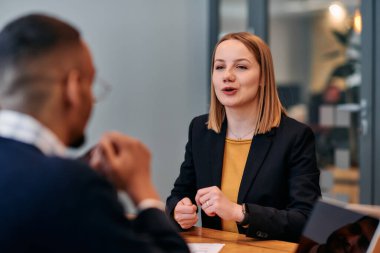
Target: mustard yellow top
(235, 158)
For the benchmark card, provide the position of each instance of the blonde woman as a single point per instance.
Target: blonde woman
(248, 167)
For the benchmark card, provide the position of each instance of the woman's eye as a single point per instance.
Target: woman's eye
(241, 67)
(219, 67)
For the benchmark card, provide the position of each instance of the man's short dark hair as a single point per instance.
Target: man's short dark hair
(33, 35)
(29, 47)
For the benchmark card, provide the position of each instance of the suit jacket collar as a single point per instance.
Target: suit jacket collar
(260, 146)
(8, 141)
(217, 154)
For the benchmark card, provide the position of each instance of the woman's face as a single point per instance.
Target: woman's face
(236, 75)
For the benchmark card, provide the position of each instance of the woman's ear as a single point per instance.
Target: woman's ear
(72, 88)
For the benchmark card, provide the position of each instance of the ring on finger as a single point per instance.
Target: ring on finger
(207, 203)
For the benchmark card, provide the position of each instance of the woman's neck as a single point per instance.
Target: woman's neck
(241, 124)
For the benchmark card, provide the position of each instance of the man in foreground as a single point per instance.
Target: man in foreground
(48, 202)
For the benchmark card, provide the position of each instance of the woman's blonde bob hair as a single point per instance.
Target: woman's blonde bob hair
(270, 107)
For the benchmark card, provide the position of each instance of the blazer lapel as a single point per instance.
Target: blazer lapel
(217, 154)
(256, 156)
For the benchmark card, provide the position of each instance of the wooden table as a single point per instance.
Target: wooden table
(237, 242)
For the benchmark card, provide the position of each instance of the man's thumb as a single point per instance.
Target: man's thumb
(186, 201)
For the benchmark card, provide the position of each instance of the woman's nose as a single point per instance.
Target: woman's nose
(229, 76)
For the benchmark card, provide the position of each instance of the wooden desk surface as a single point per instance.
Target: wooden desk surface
(237, 242)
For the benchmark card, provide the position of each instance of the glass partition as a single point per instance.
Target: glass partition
(316, 49)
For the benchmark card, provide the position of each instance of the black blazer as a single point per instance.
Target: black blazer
(49, 204)
(280, 181)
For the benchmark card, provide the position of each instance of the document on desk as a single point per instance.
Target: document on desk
(205, 247)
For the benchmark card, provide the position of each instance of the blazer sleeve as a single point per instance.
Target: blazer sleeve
(304, 190)
(102, 226)
(185, 184)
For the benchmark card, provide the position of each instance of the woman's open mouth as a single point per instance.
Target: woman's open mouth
(229, 90)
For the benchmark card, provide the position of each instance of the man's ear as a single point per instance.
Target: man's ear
(72, 88)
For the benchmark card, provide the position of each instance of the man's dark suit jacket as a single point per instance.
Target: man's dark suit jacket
(280, 182)
(49, 204)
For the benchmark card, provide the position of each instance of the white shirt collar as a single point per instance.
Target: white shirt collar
(24, 128)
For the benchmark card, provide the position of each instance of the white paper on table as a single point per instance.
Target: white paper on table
(205, 247)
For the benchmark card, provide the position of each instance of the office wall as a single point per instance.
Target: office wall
(154, 53)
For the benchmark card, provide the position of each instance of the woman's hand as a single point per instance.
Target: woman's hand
(185, 213)
(214, 202)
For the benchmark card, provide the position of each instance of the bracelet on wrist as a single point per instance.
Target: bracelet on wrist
(245, 221)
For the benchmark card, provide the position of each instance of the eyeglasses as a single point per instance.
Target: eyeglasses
(100, 88)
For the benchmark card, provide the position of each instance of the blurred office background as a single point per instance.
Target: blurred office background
(155, 54)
